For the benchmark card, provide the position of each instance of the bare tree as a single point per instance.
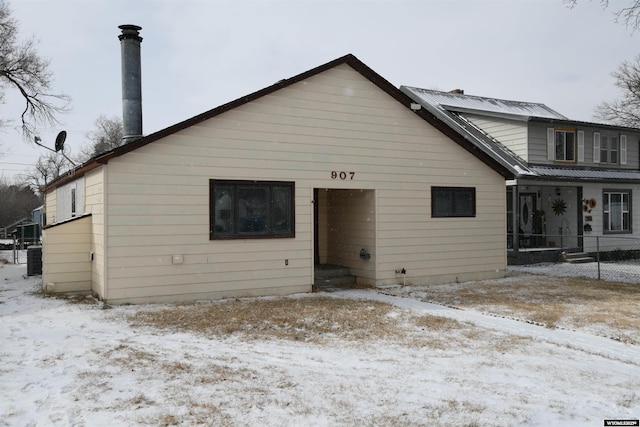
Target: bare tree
(18, 200)
(48, 167)
(624, 111)
(628, 14)
(107, 136)
(22, 69)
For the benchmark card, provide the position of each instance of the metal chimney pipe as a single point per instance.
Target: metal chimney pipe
(131, 82)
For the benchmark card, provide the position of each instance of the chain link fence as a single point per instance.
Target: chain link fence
(611, 258)
(11, 256)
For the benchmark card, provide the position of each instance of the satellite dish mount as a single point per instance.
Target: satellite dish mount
(59, 146)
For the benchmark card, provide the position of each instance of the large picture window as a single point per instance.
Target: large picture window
(251, 209)
(565, 145)
(616, 211)
(453, 202)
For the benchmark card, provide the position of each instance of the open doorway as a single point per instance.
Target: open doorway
(344, 231)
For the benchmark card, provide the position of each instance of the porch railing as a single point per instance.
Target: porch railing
(609, 257)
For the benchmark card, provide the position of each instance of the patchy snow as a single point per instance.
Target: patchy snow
(627, 272)
(76, 364)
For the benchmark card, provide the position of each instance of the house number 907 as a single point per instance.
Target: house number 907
(342, 175)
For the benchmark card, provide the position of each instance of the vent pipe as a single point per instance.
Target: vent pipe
(131, 82)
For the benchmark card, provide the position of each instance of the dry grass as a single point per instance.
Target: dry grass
(298, 319)
(608, 308)
(321, 320)
(603, 308)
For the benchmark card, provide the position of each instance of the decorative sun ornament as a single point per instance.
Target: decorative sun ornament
(559, 207)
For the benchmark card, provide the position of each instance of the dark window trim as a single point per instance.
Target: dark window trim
(248, 183)
(605, 227)
(453, 189)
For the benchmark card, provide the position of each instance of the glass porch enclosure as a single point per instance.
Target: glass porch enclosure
(544, 217)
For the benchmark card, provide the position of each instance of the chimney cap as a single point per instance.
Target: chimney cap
(130, 31)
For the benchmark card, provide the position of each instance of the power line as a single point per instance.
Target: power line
(16, 164)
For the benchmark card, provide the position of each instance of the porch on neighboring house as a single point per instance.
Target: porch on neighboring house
(543, 221)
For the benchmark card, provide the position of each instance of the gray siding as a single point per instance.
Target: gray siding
(511, 133)
(538, 146)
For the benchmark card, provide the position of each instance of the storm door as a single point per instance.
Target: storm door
(527, 210)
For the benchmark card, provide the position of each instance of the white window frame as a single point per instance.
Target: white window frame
(607, 149)
(557, 143)
(609, 222)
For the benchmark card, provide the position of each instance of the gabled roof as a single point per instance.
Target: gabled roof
(442, 125)
(454, 101)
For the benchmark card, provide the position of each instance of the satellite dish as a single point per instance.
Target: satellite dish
(60, 140)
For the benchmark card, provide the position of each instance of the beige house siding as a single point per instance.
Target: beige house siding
(323, 227)
(50, 207)
(511, 133)
(158, 197)
(66, 262)
(94, 204)
(351, 224)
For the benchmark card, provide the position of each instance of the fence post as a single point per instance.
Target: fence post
(598, 254)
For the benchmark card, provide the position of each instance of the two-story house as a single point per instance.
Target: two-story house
(575, 180)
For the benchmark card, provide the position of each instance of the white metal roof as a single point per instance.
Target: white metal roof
(460, 102)
(586, 174)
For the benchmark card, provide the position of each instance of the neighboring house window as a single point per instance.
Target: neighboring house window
(565, 145)
(616, 211)
(251, 209)
(608, 149)
(453, 202)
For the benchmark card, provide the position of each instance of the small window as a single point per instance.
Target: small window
(73, 202)
(251, 209)
(616, 211)
(565, 144)
(453, 202)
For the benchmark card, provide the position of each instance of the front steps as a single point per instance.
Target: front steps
(331, 278)
(576, 257)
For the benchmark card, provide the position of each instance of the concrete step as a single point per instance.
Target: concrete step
(577, 257)
(326, 271)
(336, 281)
(330, 278)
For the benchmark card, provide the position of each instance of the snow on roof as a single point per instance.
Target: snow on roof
(586, 174)
(460, 102)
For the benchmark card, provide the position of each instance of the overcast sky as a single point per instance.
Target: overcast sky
(197, 55)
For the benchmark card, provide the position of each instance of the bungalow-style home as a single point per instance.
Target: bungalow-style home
(574, 181)
(334, 166)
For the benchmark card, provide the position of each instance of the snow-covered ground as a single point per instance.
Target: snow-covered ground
(70, 364)
(622, 271)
